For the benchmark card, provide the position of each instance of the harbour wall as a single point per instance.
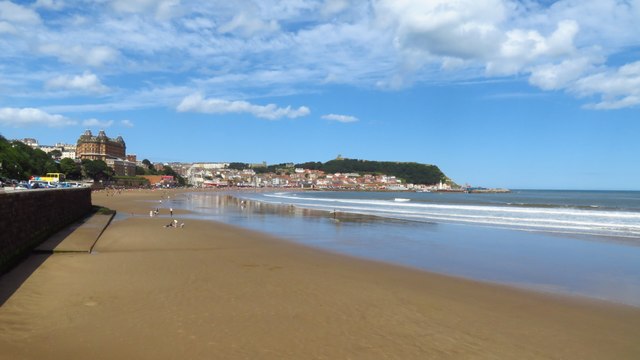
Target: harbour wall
(29, 217)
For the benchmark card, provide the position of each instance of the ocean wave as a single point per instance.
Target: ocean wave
(521, 209)
(592, 221)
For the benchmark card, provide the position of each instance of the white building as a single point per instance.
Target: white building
(70, 154)
(31, 142)
(197, 173)
(68, 150)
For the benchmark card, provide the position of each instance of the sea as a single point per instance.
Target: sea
(573, 243)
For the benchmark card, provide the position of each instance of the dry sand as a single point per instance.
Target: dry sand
(212, 291)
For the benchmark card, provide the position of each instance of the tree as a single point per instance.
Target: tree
(9, 160)
(70, 169)
(96, 169)
(41, 163)
(55, 154)
(312, 165)
(409, 171)
(20, 161)
(148, 167)
(140, 170)
(238, 166)
(169, 171)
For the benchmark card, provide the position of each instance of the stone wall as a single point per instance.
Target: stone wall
(29, 217)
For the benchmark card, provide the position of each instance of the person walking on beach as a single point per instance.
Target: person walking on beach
(171, 211)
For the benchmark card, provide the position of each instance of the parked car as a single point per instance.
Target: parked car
(22, 186)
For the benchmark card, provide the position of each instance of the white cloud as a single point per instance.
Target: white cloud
(163, 9)
(49, 4)
(248, 25)
(146, 98)
(559, 47)
(607, 23)
(198, 23)
(126, 123)
(18, 117)
(257, 48)
(477, 32)
(86, 82)
(94, 56)
(617, 88)
(18, 14)
(332, 7)
(340, 118)
(561, 75)
(7, 28)
(132, 6)
(525, 47)
(196, 103)
(530, 44)
(167, 8)
(463, 29)
(97, 123)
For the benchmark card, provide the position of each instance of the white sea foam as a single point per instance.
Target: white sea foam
(592, 221)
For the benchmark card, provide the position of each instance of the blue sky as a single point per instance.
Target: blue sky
(519, 94)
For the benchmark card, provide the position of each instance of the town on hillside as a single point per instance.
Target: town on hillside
(104, 162)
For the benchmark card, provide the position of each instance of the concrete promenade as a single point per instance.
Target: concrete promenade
(78, 237)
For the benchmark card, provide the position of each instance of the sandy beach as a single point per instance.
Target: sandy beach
(213, 291)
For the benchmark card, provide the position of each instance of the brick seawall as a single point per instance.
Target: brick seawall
(29, 217)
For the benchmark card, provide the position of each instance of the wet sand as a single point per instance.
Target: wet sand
(214, 291)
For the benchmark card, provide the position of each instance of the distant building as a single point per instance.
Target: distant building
(66, 150)
(71, 154)
(180, 168)
(198, 173)
(132, 158)
(47, 148)
(122, 167)
(160, 180)
(100, 147)
(218, 165)
(31, 142)
(111, 151)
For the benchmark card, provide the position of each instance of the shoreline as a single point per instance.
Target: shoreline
(537, 260)
(225, 199)
(214, 290)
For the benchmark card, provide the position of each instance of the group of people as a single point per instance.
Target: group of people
(174, 224)
(155, 212)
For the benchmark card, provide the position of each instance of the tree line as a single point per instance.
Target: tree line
(20, 161)
(411, 172)
(147, 168)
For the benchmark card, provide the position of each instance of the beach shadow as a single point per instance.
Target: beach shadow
(23, 267)
(11, 281)
(47, 246)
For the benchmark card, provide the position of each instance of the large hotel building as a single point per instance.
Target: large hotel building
(111, 151)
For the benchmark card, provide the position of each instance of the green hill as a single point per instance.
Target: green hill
(410, 172)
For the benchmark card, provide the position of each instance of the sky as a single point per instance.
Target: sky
(497, 93)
